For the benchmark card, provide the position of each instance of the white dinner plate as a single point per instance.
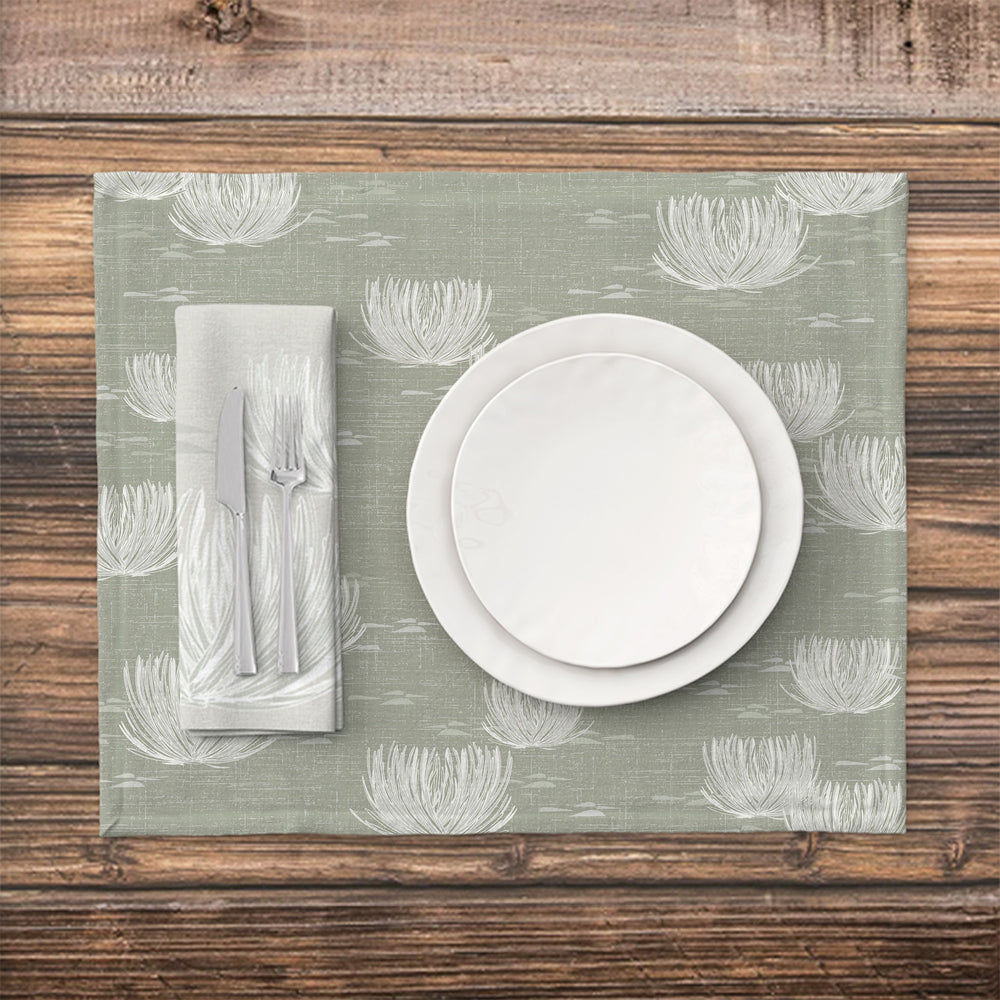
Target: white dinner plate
(435, 554)
(606, 509)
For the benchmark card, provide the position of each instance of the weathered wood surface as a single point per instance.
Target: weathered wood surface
(508, 916)
(527, 944)
(964, 153)
(606, 59)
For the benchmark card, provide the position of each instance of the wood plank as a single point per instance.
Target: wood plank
(608, 59)
(508, 944)
(48, 279)
(49, 673)
(49, 504)
(47, 267)
(931, 353)
(948, 155)
(49, 548)
(49, 526)
(50, 838)
(49, 419)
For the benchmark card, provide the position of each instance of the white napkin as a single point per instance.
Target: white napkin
(266, 350)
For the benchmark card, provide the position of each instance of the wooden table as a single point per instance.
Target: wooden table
(525, 84)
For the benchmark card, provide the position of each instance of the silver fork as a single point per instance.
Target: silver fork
(288, 471)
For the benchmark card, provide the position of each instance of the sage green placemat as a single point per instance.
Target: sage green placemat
(801, 277)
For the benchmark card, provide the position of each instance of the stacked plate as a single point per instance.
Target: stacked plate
(604, 509)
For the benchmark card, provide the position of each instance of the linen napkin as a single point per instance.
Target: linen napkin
(268, 351)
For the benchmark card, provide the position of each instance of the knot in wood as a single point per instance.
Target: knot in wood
(227, 21)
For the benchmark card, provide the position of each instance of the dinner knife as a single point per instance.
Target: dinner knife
(231, 490)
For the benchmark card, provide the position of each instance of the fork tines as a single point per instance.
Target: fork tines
(287, 438)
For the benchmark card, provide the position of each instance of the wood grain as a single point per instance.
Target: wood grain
(606, 59)
(951, 154)
(526, 944)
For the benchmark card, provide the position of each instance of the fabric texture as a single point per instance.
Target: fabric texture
(269, 352)
(800, 277)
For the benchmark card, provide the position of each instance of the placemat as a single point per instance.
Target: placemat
(799, 276)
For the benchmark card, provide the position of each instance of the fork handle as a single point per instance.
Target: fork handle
(288, 642)
(243, 649)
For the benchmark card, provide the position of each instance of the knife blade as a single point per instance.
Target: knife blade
(231, 491)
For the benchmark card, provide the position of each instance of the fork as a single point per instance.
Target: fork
(288, 471)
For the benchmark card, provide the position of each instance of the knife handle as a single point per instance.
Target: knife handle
(243, 650)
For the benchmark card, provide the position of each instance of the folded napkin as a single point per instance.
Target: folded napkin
(267, 351)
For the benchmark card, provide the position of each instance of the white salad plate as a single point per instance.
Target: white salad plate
(438, 563)
(606, 509)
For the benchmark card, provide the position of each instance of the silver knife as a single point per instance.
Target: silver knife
(231, 490)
